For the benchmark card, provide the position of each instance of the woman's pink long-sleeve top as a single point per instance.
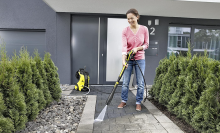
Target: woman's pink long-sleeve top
(131, 40)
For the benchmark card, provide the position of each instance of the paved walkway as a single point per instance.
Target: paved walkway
(128, 120)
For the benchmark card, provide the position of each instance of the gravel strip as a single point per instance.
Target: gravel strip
(64, 87)
(59, 117)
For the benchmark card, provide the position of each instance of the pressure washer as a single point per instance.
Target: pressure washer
(83, 83)
(130, 56)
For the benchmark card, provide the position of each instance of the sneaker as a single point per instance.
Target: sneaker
(138, 107)
(121, 105)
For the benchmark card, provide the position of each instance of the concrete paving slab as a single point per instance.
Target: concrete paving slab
(148, 126)
(109, 132)
(151, 107)
(97, 131)
(163, 119)
(84, 131)
(159, 126)
(142, 115)
(158, 131)
(124, 115)
(155, 111)
(85, 126)
(123, 121)
(169, 125)
(117, 127)
(114, 115)
(132, 127)
(174, 131)
(101, 127)
(87, 121)
(150, 119)
(136, 120)
(125, 132)
(142, 131)
(119, 111)
(108, 121)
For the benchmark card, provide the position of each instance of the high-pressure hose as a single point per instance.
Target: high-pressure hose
(143, 78)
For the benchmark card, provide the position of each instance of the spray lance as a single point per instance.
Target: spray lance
(130, 56)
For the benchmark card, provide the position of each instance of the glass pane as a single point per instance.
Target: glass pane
(177, 40)
(207, 39)
(114, 47)
(31, 40)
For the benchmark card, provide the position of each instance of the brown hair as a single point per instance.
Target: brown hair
(133, 11)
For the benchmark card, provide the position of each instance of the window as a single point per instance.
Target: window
(207, 39)
(30, 39)
(177, 40)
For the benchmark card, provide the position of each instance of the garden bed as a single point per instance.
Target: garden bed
(59, 117)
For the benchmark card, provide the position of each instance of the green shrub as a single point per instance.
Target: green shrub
(37, 80)
(52, 77)
(179, 92)
(40, 67)
(24, 78)
(169, 80)
(6, 124)
(160, 73)
(14, 99)
(190, 89)
(194, 86)
(207, 115)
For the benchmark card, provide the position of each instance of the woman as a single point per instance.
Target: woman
(134, 37)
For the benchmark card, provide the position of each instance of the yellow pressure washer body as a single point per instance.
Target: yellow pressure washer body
(83, 83)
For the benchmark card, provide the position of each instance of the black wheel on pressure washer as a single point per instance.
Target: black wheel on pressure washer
(84, 89)
(77, 87)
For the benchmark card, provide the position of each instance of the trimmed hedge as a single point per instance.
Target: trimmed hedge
(6, 124)
(52, 77)
(14, 100)
(189, 88)
(26, 87)
(42, 72)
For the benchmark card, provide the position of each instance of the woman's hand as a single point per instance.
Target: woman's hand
(124, 64)
(124, 57)
(135, 50)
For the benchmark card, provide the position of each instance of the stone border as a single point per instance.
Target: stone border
(87, 119)
(167, 124)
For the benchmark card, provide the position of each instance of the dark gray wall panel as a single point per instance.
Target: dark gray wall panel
(63, 47)
(161, 35)
(30, 14)
(84, 46)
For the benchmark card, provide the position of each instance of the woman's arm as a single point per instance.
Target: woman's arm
(146, 39)
(124, 47)
(124, 57)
